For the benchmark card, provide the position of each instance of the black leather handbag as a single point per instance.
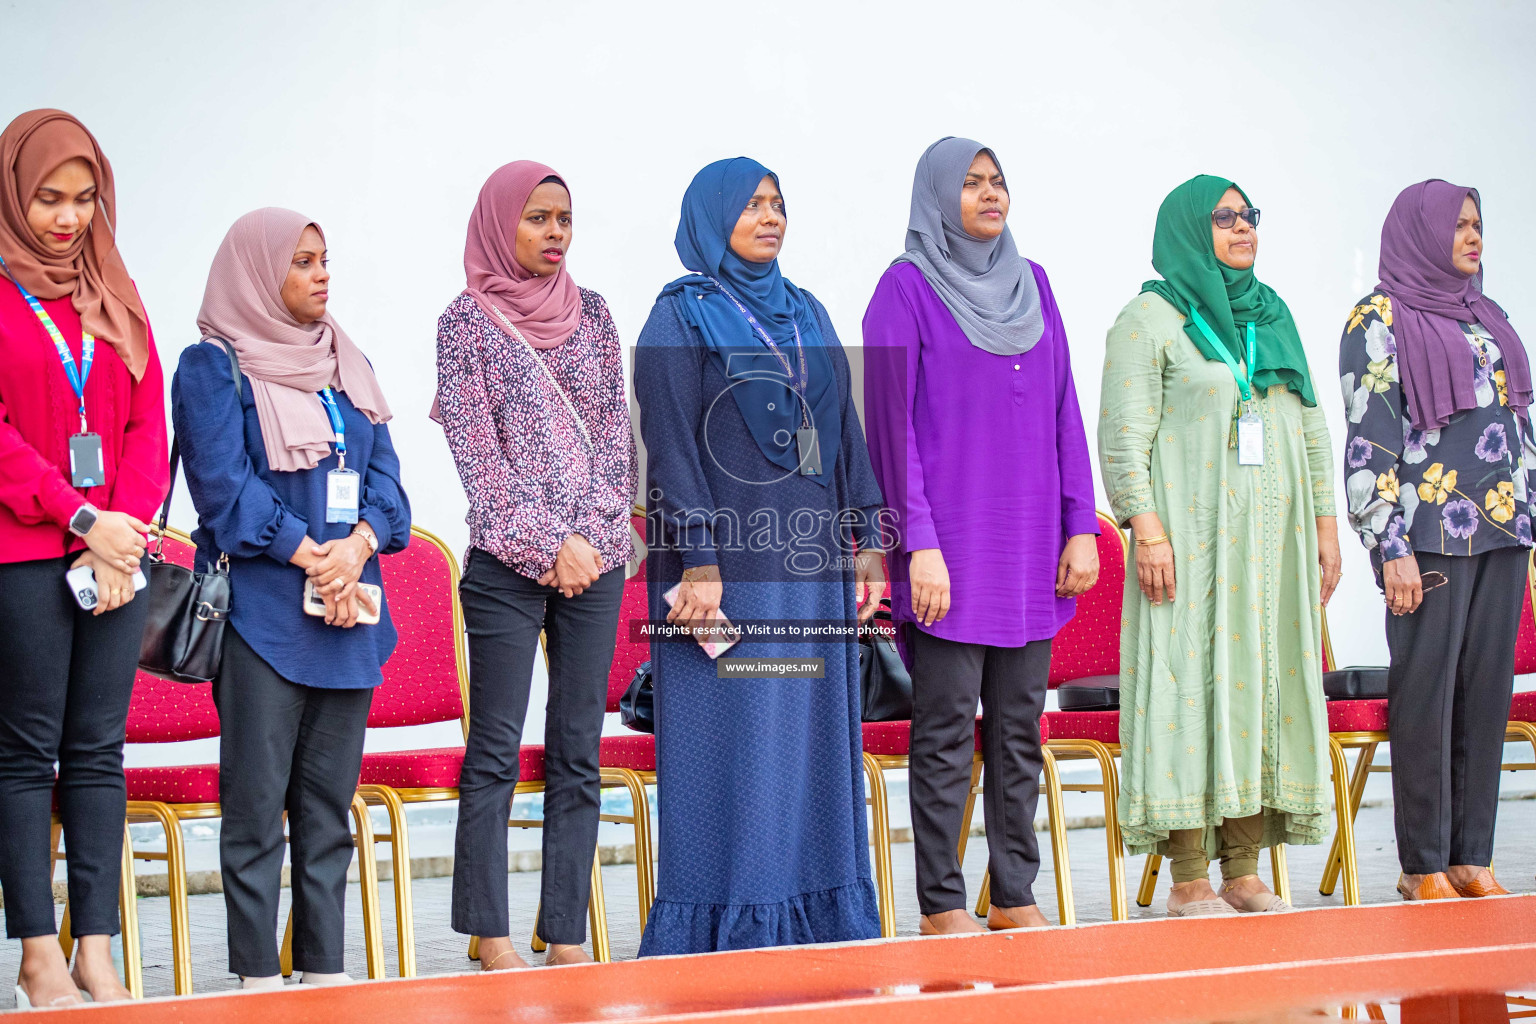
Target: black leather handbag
(184, 635)
(637, 708)
(885, 685)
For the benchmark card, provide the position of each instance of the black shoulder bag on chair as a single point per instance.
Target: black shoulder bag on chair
(184, 636)
(885, 685)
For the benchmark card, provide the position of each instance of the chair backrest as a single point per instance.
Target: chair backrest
(162, 711)
(1089, 645)
(426, 680)
(1525, 640)
(628, 652)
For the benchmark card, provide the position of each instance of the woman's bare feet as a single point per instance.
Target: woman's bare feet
(560, 954)
(94, 971)
(1000, 918)
(44, 974)
(498, 955)
(950, 922)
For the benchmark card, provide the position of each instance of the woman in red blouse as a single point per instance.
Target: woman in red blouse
(530, 392)
(82, 468)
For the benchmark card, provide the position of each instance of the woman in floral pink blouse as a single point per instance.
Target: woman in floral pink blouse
(530, 392)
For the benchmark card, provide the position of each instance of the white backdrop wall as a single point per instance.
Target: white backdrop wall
(380, 119)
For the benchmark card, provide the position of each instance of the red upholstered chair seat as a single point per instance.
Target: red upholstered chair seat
(436, 768)
(1523, 707)
(1357, 716)
(1103, 726)
(636, 751)
(894, 739)
(180, 784)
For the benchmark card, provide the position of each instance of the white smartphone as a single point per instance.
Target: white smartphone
(82, 584)
(314, 603)
(717, 638)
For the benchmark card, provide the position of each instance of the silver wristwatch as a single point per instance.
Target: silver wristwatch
(81, 522)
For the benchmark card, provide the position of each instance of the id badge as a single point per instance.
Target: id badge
(1250, 440)
(85, 461)
(341, 488)
(807, 440)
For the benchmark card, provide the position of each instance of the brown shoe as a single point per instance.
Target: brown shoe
(1478, 887)
(1433, 887)
(998, 921)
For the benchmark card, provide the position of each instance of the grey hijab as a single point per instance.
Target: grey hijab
(987, 285)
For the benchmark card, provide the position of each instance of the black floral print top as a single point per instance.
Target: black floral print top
(1459, 490)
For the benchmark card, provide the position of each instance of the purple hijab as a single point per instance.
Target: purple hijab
(1429, 296)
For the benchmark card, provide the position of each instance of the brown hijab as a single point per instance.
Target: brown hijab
(288, 362)
(92, 271)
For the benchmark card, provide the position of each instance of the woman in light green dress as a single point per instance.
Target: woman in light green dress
(1215, 455)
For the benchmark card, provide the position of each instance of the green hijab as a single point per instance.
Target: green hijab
(1184, 253)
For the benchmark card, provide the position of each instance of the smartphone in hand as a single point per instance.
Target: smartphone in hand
(716, 638)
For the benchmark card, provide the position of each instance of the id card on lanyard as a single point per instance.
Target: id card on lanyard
(85, 460)
(342, 485)
(1250, 428)
(807, 438)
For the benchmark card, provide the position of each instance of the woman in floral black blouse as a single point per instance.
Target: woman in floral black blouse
(1437, 389)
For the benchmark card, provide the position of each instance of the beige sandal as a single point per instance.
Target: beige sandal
(1261, 903)
(1203, 908)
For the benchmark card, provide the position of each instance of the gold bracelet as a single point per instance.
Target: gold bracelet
(1147, 542)
(697, 573)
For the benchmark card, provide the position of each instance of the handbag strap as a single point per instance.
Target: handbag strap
(571, 406)
(170, 491)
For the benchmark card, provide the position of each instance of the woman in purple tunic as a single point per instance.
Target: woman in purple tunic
(978, 444)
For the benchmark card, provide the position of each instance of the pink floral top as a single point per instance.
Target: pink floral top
(526, 467)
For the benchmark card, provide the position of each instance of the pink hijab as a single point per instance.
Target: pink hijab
(545, 310)
(288, 362)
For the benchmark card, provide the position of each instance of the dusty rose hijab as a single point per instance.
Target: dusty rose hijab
(545, 310)
(288, 362)
(91, 272)
(1429, 296)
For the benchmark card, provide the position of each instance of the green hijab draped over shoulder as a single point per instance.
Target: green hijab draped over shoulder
(1228, 299)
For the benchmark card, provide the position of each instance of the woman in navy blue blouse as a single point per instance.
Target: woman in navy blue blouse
(295, 480)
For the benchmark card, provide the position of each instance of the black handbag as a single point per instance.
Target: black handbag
(885, 685)
(184, 635)
(637, 708)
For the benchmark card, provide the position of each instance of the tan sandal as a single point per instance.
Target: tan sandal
(1260, 903)
(1203, 908)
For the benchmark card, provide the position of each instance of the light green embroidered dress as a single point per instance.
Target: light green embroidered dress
(1222, 712)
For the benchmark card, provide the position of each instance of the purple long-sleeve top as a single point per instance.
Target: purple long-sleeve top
(980, 455)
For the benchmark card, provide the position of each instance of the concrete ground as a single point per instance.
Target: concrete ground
(439, 950)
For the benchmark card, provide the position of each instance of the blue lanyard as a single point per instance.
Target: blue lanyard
(329, 401)
(77, 377)
(799, 388)
(1245, 386)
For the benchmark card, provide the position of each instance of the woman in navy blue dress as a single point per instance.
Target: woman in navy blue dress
(762, 507)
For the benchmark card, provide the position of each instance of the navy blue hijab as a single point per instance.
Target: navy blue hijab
(711, 207)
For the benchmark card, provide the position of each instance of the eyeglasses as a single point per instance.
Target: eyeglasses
(1432, 579)
(1225, 218)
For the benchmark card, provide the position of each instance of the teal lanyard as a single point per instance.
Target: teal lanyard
(76, 377)
(338, 425)
(1245, 385)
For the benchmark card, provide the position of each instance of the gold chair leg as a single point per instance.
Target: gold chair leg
(368, 877)
(984, 894)
(880, 827)
(1357, 781)
(640, 809)
(1344, 813)
(597, 911)
(1149, 872)
(128, 910)
(66, 940)
(176, 884)
(285, 952)
(1120, 909)
(1056, 814)
(474, 947)
(400, 865)
(1281, 871)
(970, 809)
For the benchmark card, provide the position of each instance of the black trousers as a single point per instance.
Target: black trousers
(283, 746)
(65, 680)
(504, 611)
(1448, 694)
(947, 679)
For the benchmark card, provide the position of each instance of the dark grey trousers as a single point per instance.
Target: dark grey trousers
(65, 680)
(947, 680)
(504, 611)
(283, 746)
(1448, 693)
